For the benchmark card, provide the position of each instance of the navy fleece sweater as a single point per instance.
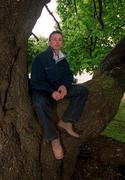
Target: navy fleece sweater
(47, 75)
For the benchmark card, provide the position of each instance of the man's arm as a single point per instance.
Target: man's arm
(67, 77)
(38, 78)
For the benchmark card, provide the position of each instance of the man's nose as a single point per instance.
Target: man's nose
(57, 42)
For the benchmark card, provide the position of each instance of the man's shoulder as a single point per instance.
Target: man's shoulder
(44, 54)
(41, 54)
(42, 58)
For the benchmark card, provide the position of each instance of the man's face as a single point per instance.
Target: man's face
(56, 41)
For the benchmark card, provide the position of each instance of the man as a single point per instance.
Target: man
(51, 80)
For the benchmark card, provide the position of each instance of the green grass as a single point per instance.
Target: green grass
(116, 129)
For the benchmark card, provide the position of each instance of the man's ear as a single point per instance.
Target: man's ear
(48, 43)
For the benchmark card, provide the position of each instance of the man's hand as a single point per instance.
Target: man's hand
(60, 93)
(63, 91)
(56, 95)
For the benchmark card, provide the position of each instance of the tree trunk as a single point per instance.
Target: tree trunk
(20, 135)
(25, 154)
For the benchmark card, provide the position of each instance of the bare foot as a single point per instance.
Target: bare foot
(68, 127)
(57, 149)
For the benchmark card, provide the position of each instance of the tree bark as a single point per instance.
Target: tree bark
(25, 154)
(20, 135)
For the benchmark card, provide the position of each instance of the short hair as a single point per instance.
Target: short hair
(55, 32)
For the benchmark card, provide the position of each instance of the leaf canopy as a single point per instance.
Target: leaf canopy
(91, 28)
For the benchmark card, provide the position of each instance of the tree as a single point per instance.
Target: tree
(25, 154)
(91, 28)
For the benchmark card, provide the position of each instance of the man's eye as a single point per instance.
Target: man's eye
(56, 39)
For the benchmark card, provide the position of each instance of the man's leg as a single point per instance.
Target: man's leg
(43, 109)
(77, 95)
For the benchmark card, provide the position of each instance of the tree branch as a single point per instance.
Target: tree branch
(58, 25)
(75, 6)
(95, 11)
(100, 13)
(35, 36)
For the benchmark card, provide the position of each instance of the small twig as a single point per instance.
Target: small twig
(119, 27)
(58, 25)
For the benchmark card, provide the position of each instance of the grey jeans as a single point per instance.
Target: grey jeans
(42, 104)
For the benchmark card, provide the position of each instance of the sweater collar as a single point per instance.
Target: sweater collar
(58, 58)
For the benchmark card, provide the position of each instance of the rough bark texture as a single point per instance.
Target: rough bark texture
(101, 158)
(19, 132)
(25, 154)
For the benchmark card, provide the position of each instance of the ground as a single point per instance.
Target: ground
(101, 159)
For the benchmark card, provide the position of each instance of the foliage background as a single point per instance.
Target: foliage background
(91, 29)
(34, 47)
